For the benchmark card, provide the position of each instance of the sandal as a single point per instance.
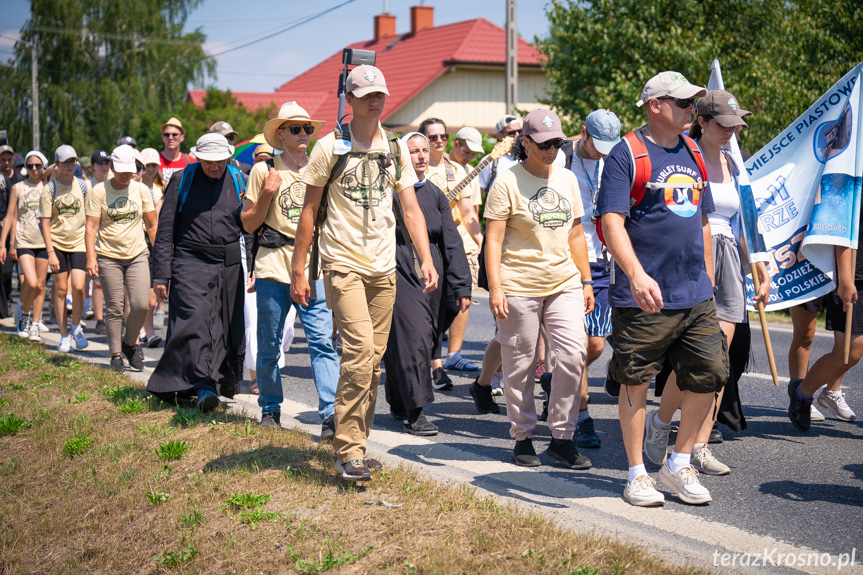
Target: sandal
(253, 388)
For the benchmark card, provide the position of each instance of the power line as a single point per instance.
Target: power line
(109, 36)
(283, 30)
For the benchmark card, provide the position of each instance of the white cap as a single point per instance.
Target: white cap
(123, 159)
(471, 138)
(65, 152)
(149, 156)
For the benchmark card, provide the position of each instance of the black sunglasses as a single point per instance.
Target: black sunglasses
(682, 103)
(34, 166)
(545, 146)
(296, 128)
(168, 135)
(512, 133)
(140, 167)
(436, 137)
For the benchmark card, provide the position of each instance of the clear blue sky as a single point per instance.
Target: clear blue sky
(265, 65)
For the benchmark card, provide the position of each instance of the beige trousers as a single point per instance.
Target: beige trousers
(562, 316)
(362, 312)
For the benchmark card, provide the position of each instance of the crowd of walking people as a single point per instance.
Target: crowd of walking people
(376, 243)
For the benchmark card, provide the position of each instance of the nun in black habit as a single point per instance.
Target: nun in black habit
(418, 318)
(197, 250)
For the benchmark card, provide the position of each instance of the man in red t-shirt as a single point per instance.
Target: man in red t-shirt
(171, 158)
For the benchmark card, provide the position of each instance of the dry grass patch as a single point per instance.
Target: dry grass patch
(102, 478)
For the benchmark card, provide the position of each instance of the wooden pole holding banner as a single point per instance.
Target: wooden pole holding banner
(763, 317)
(848, 316)
(716, 82)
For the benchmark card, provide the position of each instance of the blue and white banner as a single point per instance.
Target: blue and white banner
(806, 186)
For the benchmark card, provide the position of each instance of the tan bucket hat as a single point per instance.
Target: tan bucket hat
(289, 112)
(175, 123)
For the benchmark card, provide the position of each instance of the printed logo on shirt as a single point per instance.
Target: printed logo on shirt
(291, 201)
(33, 201)
(123, 211)
(682, 201)
(550, 209)
(439, 180)
(366, 189)
(67, 205)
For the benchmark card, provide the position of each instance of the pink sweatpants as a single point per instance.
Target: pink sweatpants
(562, 316)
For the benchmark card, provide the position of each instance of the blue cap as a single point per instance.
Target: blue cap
(604, 127)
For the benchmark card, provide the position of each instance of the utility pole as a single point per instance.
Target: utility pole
(511, 59)
(34, 111)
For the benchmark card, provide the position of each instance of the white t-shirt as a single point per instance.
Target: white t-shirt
(588, 173)
(727, 203)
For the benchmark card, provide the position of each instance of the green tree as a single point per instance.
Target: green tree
(218, 106)
(106, 69)
(777, 56)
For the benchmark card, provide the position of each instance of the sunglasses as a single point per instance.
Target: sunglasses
(680, 103)
(545, 146)
(436, 137)
(295, 129)
(140, 167)
(170, 135)
(512, 133)
(35, 166)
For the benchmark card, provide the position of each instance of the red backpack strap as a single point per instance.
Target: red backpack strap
(696, 154)
(640, 175)
(643, 168)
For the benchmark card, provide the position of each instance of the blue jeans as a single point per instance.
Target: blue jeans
(273, 298)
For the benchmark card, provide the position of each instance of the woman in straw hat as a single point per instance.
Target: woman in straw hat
(272, 205)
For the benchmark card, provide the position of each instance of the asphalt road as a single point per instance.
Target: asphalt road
(803, 489)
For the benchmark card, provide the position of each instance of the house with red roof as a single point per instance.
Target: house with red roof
(455, 72)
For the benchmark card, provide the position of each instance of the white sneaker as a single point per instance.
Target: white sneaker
(815, 415)
(88, 313)
(43, 328)
(834, 402)
(496, 384)
(655, 439)
(641, 493)
(80, 341)
(65, 344)
(704, 462)
(69, 302)
(33, 332)
(685, 484)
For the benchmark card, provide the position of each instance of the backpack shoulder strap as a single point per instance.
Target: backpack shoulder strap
(52, 186)
(696, 154)
(396, 151)
(185, 185)
(343, 132)
(271, 163)
(450, 171)
(641, 163)
(83, 185)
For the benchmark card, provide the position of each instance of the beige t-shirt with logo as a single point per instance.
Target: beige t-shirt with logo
(28, 234)
(66, 211)
(283, 216)
(539, 213)
(359, 232)
(121, 233)
(447, 183)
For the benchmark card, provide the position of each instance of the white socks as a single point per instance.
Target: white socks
(636, 471)
(677, 461)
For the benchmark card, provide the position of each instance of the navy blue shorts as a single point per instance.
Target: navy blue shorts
(71, 261)
(38, 253)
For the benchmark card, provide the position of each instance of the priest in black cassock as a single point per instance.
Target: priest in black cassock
(196, 266)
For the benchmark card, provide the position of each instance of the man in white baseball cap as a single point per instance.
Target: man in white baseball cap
(197, 251)
(358, 252)
(657, 231)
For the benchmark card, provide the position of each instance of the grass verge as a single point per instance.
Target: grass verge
(107, 479)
